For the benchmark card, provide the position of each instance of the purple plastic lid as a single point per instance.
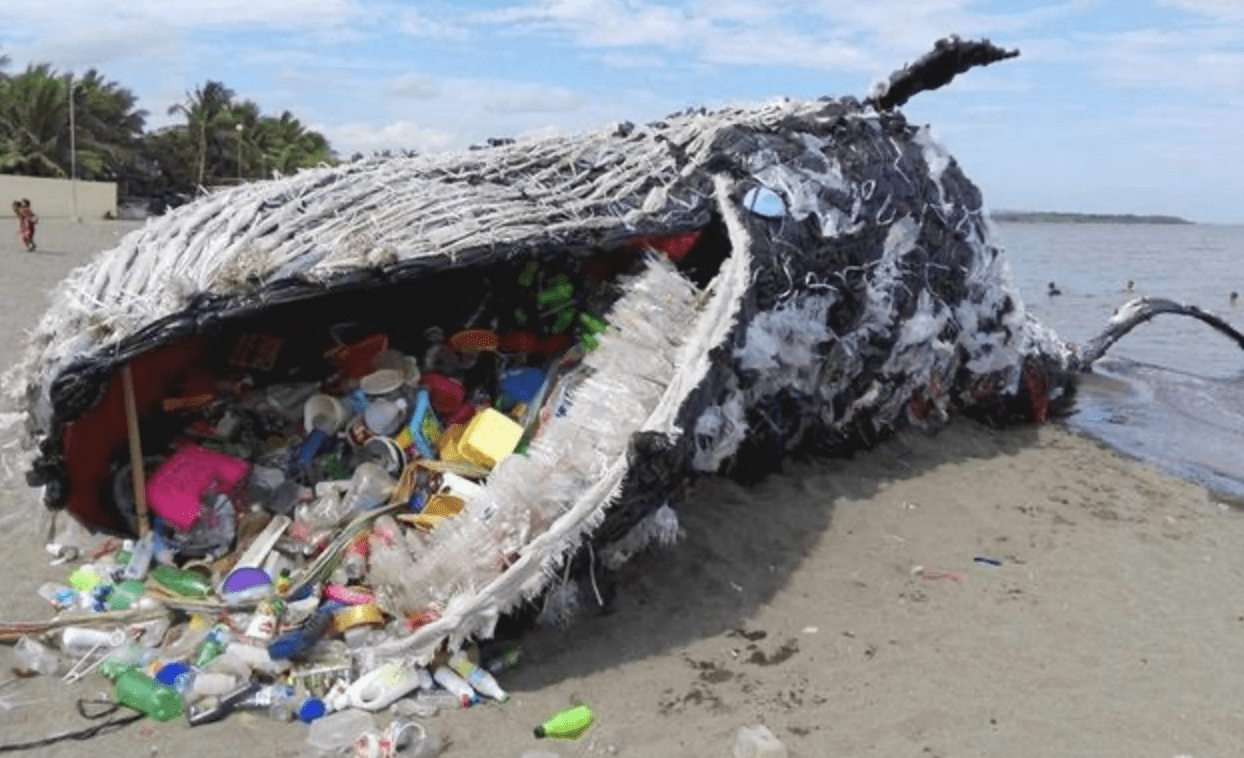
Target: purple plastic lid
(245, 578)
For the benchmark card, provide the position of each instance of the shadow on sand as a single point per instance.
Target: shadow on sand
(741, 547)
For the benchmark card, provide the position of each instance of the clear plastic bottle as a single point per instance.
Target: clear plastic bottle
(140, 559)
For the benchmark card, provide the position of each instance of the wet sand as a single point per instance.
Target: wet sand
(841, 603)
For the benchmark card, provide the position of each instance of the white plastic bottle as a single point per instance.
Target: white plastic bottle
(446, 678)
(79, 640)
(478, 678)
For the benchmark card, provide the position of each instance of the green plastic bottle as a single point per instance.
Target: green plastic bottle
(135, 690)
(180, 582)
(124, 595)
(567, 725)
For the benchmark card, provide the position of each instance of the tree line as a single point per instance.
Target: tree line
(220, 139)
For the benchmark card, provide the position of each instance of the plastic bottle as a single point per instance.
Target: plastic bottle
(213, 645)
(181, 582)
(223, 706)
(504, 659)
(243, 659)
(140, 559)
(446, 678)
(566, 725)
(212, 684)
(369, 487)
(61, 596)
(427, 702)
(125, 657)
(134, 689)
(124, 594)
(295, 642)
(478, 678)
(31, 655)
(280, 701)
(266, 620)
(78, 640)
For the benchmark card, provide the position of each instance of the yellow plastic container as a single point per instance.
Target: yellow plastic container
(449, 442)
(489, 437)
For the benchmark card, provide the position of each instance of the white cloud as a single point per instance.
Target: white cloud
(367, 137)
(1223, 10)
(1205, 60)
(421, 25)
(412, 86)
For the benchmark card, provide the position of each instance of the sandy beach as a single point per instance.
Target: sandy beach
(842, 603)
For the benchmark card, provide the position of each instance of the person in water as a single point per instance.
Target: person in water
(1054, 290)
(1131, 286)
(1235, 297)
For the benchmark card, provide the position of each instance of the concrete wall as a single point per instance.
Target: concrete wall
(54, 197)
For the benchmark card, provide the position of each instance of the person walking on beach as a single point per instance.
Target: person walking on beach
(26, 221)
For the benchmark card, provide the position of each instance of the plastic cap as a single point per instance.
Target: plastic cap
(311, 709)
(171, 673)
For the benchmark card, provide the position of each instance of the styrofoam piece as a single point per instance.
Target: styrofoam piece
(758, 742)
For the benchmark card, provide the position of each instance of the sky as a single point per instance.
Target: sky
(1113, 106)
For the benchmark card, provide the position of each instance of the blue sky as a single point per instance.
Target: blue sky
(1112, 106)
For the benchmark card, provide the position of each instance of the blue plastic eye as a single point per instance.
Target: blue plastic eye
(764, 202)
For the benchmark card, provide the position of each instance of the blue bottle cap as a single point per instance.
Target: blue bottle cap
(171, 673)
(311, 709)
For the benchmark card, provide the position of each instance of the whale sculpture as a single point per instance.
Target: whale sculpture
(796, 277)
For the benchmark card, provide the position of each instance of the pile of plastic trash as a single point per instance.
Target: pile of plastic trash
(276, 526)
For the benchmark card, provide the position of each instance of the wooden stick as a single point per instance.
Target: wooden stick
(136, 449)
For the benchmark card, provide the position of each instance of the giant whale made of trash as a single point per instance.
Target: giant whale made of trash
(796, 277)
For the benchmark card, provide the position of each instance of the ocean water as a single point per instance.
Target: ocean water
(1171, 392)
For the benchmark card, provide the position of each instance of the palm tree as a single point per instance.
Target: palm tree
(34, 124)
(286, 145)
(208, 112)
(34, 116)
(109, 127)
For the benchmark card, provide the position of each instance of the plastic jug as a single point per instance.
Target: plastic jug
(378, 688)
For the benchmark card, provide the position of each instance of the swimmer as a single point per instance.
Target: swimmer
(1131, 286)
(1235, 297)
(1054, 290)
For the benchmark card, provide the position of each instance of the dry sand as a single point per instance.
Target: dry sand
(1111, 626)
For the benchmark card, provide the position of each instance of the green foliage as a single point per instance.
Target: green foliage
(220, 140)
(35, 135)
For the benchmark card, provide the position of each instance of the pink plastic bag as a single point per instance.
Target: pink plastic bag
(175, 491)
